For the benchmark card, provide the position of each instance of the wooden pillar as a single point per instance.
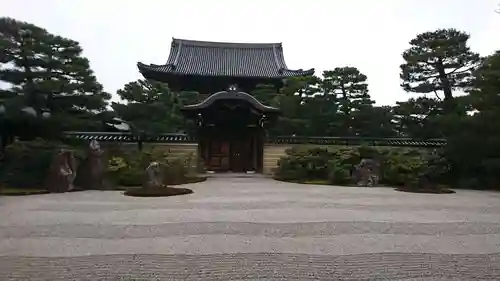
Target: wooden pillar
(255, 150)
(206, 148)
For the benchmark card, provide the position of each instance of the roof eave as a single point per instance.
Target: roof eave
(300, 72)
(225, 95)
(147, 69)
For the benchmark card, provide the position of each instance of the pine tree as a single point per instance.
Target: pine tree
(439, 61)
(349, 87)
(47, 73)
(149, 108)
(474, 150)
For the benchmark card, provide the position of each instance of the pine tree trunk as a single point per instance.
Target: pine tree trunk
(449, 104)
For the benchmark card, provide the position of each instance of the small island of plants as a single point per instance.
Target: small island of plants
(407, 169)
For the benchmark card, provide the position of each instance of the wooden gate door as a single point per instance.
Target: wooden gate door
(219, 155)
(240, 155)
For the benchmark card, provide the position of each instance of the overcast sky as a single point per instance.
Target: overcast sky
(368, 34)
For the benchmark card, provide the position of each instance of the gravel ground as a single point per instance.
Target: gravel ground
(252, 229)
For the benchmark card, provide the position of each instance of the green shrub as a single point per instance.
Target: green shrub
(339, 174)
(400, 166)
(131, 177)
(303, 165)
(336, 164)
(290, 168)
(129, 169)
(368, 152)
(25, 164)
(174, 170)
(311, 164)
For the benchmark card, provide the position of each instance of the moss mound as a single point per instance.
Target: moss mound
(425, 190)
(157, 192)
(187, 180)
(9, 191)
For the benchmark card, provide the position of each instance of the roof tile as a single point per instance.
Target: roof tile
(188, 57)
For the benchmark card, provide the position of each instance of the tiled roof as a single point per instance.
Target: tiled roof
(183, 138)
(404, 142)
(127, 137)
(256, 60)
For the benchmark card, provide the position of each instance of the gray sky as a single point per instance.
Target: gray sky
(368, 34)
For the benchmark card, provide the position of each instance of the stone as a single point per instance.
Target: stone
(93, 169)
(153, 176)
(62, 172)
(367, 172)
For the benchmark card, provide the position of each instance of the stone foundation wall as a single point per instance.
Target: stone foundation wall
(272, 153)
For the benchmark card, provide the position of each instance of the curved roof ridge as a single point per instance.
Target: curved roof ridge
(231, 95)
(197, 43)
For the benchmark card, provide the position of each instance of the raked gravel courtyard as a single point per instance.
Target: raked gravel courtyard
(252, 229)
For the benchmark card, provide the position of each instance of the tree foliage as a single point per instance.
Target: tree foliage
(46, 72)
(418, 117)
(149, 107)
(336, 104)
(439, 61)
(349, 88)
(42, 72)
(474, 151)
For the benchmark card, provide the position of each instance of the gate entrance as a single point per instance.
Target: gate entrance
(231, 131)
